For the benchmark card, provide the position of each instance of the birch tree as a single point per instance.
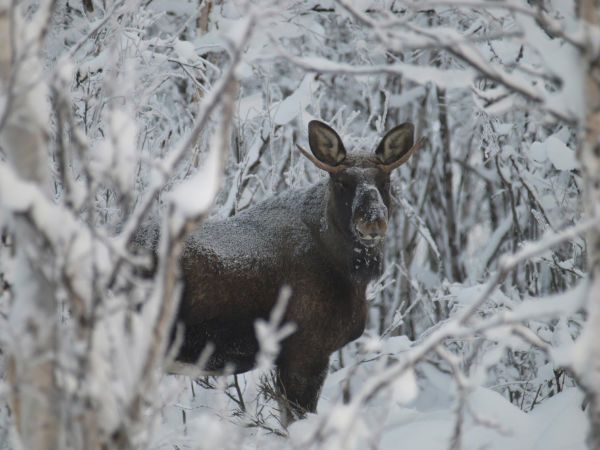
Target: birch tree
(82, 360)
(25, 133)
(588, 364)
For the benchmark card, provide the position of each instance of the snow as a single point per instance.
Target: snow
(465, 296)
(181, 8)
(481, 246)
(185, 50)
(65, 69)
(250, 107)
(400, 100)
(449, 79)
(561, 60)
(194, 196)
(405, 387)
(284, 111)
(539, 152)
(293, 105)
(561, 156)
(124, 142)
(558, 423)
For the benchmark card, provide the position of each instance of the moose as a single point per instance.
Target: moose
(325, 242)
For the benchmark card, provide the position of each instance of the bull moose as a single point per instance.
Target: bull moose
(325, 242)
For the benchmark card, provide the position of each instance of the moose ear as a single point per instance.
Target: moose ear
(325, 143)
(397, 146)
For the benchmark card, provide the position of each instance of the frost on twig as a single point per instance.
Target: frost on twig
(270, 333)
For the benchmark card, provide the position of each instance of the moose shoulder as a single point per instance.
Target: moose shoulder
(324, 242)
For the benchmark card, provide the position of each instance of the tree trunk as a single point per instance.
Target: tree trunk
(23, 136)
(588, 367)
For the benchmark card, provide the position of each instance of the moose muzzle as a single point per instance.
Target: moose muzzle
(370, 217)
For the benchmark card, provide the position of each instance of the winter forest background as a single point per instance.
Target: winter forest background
(483, 332)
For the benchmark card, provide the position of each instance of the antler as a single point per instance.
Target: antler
(321, 164)
(391, 166)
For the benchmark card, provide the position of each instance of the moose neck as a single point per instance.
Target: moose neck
(350, 257)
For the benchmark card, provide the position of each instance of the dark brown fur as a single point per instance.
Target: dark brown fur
(309, 240)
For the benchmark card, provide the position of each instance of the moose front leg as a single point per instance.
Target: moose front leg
(299, 385)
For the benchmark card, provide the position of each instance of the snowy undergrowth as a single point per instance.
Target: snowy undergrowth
(201, 418)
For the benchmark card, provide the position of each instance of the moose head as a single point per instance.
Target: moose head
(359, 184)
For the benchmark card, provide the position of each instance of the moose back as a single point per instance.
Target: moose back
(324, 242)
